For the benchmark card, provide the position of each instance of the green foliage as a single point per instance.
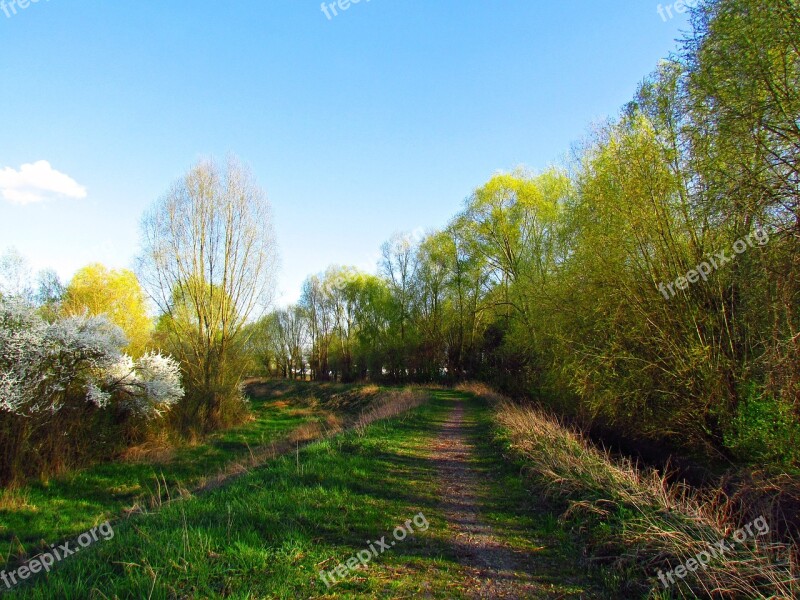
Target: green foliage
(200, 329)
(765, 430)
(565, 285)
(96, 290)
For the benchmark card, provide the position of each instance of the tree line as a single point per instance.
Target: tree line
(551, 284)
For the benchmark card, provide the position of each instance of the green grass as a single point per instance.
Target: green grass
(517, 511)
(44, 512)
(268, 533)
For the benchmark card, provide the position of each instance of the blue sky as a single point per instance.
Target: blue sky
(380, 119)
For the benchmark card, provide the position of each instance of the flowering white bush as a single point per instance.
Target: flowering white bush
(149, 386)
(10, 398)
(160, 377)
(21, 334)
(44, 365)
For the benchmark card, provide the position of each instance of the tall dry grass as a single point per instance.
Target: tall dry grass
(481, 389)
(390, 404)
(638, 523)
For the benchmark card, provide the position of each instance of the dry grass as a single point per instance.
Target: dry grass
(639, 523)
(369, 390)
(158, 448)
(481, 389)
(390, 404)
(13, 499)
(333, 422)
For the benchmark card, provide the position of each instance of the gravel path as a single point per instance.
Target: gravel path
(494, 570)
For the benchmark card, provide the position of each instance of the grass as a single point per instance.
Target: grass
(44, 512)
(268, 533)
(521, 517)
(637, 523)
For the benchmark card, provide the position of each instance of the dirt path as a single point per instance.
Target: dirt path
(494, 569)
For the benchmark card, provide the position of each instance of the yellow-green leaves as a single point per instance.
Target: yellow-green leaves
(97, 290)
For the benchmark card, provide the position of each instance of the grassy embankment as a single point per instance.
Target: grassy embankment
(638, 525)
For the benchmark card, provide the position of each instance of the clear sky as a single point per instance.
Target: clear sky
(379, 119)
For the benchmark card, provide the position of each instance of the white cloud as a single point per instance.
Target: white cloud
(37, 182)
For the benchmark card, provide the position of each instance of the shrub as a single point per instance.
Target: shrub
(765, 430)
(59, 380)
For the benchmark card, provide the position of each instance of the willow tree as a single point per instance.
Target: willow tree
(398, 266)
(286, 335)
(744, 86)
(208, 261)
(431, 303)
(513, 223)
(97, 290)
(315, 301)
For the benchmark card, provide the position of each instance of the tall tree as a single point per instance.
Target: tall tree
(398, 265)
(208, 246)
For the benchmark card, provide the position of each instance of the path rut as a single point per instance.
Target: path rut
(494, 569)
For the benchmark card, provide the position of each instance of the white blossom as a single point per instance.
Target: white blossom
(79, 358)
(21, 334)
(122, 374)
(10, 396)
(97, 396)
(152, 383)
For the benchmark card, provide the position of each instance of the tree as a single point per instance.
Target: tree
(372, 311)
(209, 250)
(316, 304)
(16, 280)
(285, 334)
(430, 303)
(513, 223)
(398, 265)
(97, 290)
(50, 294)
(15, 275)
(743, 88)
(344, 315)
(466, 285)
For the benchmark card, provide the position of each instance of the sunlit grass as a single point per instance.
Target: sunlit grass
(47, 511)
(269, 533)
